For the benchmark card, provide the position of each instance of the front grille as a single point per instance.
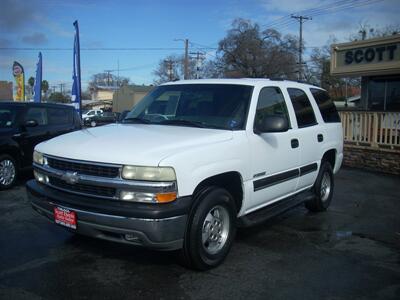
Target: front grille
(102, 191)
(83, 168)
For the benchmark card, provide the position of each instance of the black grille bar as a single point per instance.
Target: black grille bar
(83, 168)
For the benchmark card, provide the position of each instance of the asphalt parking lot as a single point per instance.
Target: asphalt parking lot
(349, 252)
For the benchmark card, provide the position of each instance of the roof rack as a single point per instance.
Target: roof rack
(298, 81)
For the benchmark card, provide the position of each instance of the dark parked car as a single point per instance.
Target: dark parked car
(23, 125)
(104, 118)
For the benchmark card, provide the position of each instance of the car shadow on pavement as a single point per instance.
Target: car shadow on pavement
(124, 252)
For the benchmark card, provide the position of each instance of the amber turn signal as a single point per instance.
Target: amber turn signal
(165, 197)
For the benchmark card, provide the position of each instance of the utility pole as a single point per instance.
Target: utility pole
(186, 75)
(108, 76)
(301, 20)
(62, 88)
(199, 59)
(186, 59)
(169, 64)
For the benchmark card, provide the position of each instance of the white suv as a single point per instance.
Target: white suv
(191, 162)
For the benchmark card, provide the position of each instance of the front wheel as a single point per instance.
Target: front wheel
(8, 172)
(323, 189)
(93, 124)
(211, 229)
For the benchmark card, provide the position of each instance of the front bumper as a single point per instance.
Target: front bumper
(159, 226)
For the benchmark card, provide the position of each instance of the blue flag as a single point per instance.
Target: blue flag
(38, 81)
(76, 76)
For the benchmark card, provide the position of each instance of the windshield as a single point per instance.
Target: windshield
(222, 106)
(7, 117)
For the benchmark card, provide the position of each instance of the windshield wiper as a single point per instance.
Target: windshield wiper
(136, 120)
(184, 123)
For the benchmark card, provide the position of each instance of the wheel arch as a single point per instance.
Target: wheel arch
(330, 157)
(14, 152)
(231, 181)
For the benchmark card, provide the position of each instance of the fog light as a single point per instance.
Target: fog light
(147, 197)
(132, 237)
(137, 197)
(40, 177)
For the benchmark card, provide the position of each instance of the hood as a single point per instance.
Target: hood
(131, 144)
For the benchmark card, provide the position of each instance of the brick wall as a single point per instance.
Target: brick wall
(380, 160)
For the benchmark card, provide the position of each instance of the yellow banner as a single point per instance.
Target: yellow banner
(19, 76)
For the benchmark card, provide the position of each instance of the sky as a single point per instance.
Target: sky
(48, 24)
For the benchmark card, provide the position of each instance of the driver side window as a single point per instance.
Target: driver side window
(38, 114)
(271, 102)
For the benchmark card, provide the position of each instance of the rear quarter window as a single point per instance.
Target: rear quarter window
(326, 106)
(59, 116)
(302, 108)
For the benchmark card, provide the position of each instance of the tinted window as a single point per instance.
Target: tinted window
(270, 103)
(326, 106)
(7, 117)
(302, 108)
(38, 114)
(59, 116)
(222, 106)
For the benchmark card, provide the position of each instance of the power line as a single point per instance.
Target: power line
(100, 49)
(334, 7)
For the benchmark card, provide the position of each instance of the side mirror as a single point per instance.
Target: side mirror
(271, 124)
(31, 123)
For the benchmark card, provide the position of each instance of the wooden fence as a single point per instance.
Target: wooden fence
(373, 129)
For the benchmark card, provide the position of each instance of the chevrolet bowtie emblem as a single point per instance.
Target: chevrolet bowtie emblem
(70, 177)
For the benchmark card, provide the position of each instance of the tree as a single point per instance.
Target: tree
(45, 87)
(31, 82)
(172, 68)
(367, 31)
(168, 69)
(107, 79)
(59, 98)
(247, 51)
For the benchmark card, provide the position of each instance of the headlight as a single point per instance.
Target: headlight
(38, 157)
(149, 173)
(40, 177)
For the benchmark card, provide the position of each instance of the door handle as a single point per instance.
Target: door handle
(294, 143)
(320, 138)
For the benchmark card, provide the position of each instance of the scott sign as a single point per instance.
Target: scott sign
(383, 53)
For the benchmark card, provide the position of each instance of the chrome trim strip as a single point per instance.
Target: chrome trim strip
(114, 216)
(118, 183)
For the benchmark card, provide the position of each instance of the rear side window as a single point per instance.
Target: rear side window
(302, 107)
(326, 106)
(59, 116)
(38, 114)
(270, 103)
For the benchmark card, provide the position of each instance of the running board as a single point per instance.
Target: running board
(274, 209)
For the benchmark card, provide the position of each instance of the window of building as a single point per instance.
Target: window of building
(302, 108)
(270, 103)
(384, 94)
(326, 106)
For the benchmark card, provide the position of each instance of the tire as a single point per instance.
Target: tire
(323, 189)
(93, 124)
(213, 219)
(8, 171)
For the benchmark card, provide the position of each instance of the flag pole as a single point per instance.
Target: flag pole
(38, 80)
(78, 63)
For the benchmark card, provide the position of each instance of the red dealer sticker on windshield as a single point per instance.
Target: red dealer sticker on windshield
(65, 217)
